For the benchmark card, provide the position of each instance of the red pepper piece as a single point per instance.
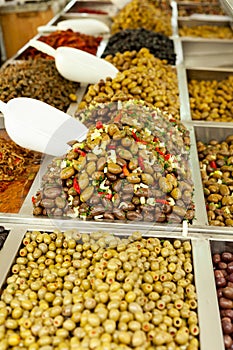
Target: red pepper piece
(167, 156)
(141, 163)
(111, 146)
(108, 196)
(76, 186)
(125, 170)
(99, 125)
(213, 164)
(135, 136)
(33, 200)
(79, 151)
(137, 139)
(160, 152)
(162, 201)
(101, 193)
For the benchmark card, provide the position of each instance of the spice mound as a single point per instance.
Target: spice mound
(14, 160)
(133, 165)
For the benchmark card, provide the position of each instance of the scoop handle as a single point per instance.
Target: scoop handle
(47, 29)
(3, 107)
(43, 47)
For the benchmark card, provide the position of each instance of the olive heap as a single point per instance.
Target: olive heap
(72, 291)
(141, 76)
(142, 14)
(207, 31)
(216, 166)
(211, 100)
(158, 44)
(134, 167)
(223, 272)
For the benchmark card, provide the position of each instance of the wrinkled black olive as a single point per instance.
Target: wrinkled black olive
(159, 45)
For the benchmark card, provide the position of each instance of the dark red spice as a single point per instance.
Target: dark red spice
(89, 10)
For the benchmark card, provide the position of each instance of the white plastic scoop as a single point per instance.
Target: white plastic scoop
(37, 126)
(77, 65)
(87, 26)
(120, 3)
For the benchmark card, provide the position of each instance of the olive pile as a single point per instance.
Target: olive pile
(207, 31)
(37, 79)
(3, 236)
(142, 14)
(216, 159)
(211, 100)
(158, 44)
(72, 291)
(223, 271)
(163, 4)
(141, 76)
(135, 167)
(207, 9)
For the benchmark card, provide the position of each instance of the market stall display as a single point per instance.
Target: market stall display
(150, 190)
